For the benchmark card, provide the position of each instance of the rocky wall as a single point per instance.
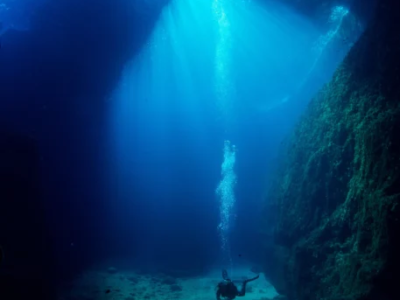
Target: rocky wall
(334, 205)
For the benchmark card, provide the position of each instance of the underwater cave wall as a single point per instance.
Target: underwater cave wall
(334, 203)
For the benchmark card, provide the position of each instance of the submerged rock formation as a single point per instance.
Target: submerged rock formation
(334, 206)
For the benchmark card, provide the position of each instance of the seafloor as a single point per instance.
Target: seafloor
(113, 284)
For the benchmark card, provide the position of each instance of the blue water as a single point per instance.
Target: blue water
(131, 107)
(210, 72)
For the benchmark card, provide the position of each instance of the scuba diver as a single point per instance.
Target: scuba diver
(228, 290)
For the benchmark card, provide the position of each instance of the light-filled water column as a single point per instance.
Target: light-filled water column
(224, 87)
(224, 92)
(226, 196)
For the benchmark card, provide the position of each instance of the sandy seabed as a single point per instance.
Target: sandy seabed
(130, 285)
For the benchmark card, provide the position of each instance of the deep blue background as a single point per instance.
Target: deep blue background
(153, 202)
(53, 82)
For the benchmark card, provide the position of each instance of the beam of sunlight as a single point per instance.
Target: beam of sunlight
(223, 83)
(323, 42)
(219, 60)
(208, 66)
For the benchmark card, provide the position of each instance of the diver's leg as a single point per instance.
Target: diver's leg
(242, 291)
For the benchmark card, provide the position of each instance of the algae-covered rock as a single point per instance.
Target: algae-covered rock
(336, 195)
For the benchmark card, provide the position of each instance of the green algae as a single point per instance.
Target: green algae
(337, 192)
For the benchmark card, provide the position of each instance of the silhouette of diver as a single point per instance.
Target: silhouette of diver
(228, 290)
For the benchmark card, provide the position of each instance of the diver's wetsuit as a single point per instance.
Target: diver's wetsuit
(228, 290)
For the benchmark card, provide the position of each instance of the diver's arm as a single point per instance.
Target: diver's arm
(242, 292)
(218, 295)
